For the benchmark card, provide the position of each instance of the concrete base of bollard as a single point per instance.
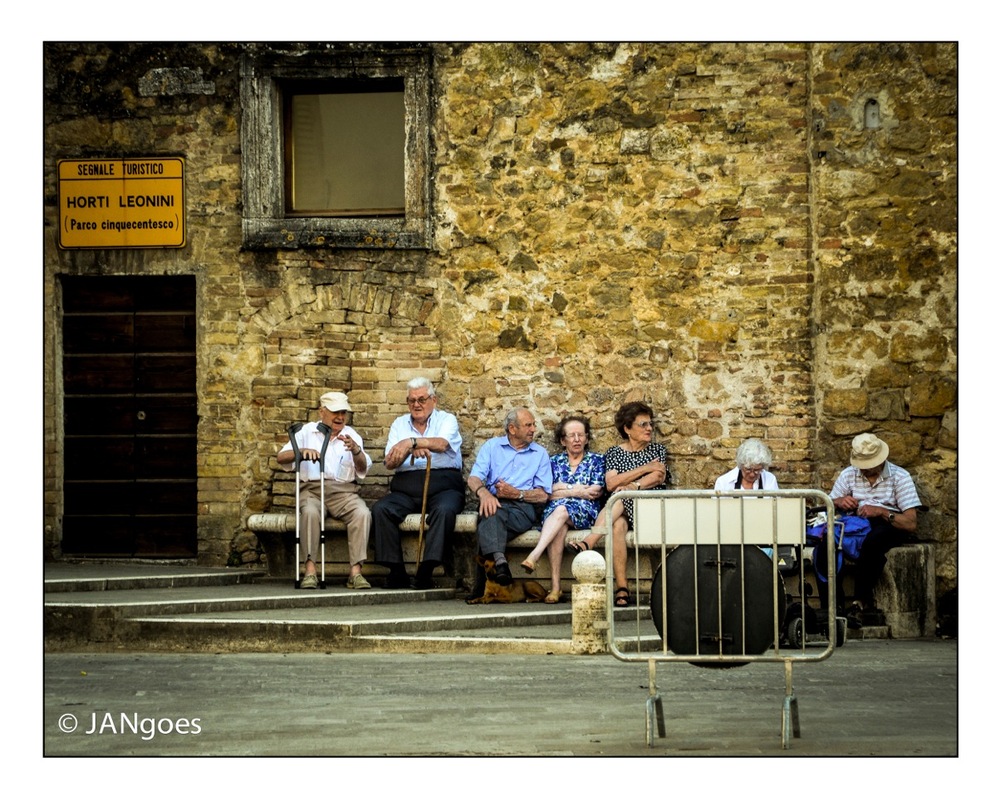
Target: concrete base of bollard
(590, 604)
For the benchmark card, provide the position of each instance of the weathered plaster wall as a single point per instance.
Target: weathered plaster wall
(706, 227)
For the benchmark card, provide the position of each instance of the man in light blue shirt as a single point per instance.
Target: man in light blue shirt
(424, 431)
(512, 479)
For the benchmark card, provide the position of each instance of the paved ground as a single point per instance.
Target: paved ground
(871, 698)
(408, 720)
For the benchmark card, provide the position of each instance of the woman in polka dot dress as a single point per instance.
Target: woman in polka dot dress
(636, 464)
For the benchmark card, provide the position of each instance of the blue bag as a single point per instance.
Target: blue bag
(849, 535)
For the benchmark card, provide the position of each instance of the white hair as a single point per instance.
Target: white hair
(753, 452)
(511, 418)
(421, 381)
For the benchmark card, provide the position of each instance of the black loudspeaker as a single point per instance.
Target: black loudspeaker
(732, 588)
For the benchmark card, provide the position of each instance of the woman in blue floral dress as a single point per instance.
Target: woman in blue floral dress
(577, 486)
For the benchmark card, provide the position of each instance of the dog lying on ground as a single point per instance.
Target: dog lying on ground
(520, 591)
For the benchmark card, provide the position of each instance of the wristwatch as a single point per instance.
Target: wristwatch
(891, 516)
(520, 495)
(413, 442)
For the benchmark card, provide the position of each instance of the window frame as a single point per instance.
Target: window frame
(266, 225)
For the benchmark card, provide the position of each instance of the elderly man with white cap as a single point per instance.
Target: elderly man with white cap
(345, 464)
(874, 488)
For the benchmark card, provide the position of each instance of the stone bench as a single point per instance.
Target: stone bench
(276, 533)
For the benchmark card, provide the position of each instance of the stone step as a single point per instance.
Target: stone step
(869, 632)
(400, 626)
(192, 610)
(214, 611)
(102, 578)
(260, 595)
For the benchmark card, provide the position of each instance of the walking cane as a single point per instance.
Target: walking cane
(423, 511)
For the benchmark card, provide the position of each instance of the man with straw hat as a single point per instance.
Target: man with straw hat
(884, 494)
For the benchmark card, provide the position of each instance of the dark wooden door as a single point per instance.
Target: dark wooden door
(130, 432)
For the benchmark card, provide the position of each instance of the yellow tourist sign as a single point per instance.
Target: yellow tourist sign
(117, 203)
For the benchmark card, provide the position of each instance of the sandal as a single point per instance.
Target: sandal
(623, 597)
(529, 566)
(555, 596)
(577, 546)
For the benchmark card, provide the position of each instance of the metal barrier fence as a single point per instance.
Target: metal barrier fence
(717, 594)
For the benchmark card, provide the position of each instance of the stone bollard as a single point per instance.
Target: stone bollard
(590, 604)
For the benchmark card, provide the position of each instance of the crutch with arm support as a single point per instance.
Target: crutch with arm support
(293, 430)
(325, 430)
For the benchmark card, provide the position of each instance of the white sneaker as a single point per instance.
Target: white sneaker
(309, 582)
(358, 581)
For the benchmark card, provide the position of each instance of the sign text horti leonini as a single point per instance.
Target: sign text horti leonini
(116, 203)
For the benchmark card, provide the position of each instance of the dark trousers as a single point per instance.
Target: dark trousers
(870, 563)
(445, 499)
(511, 518)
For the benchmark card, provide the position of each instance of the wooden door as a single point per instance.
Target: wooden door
(131, 418)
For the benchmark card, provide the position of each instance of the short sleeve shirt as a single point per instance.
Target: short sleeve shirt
(439, 424)
(338, 464)
(582, 511)
(894, 489)
(621, 461)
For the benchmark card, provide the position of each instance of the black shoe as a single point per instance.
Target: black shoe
(855, 617)
(479, 588)
(397, 579)
(502, 575)
(424, 578)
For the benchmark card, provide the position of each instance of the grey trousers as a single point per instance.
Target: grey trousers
(511, 518)
(343, 503)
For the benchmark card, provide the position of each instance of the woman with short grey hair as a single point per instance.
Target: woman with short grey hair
(753, 459)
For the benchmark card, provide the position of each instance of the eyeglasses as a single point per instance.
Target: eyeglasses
(575, 436)
(421, 400)
(753, 469)
(645, 425)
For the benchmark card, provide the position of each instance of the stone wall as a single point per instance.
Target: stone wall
(710, 228)
(885, 199)
(625, 222)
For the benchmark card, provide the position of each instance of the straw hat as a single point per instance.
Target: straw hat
(867, 451)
